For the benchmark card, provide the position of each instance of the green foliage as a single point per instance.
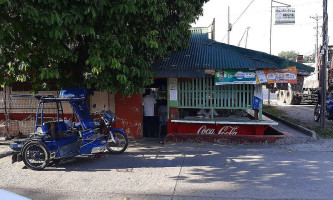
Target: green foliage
(309, 58)
(274, 110)
(326, 132)
(290, 55)
(106, 45)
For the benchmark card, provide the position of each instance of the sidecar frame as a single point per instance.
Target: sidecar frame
(64, 138)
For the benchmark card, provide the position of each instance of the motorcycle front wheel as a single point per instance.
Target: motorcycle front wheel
(35, 155)
(118, 143)
(316, 113)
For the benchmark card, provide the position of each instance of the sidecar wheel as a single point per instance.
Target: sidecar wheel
(35, 155)
(119, 145)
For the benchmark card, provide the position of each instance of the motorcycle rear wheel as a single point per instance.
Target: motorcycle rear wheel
(35, 155)
(316, 113)
(118, 144)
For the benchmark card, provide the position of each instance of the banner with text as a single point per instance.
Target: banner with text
(235, 77)
(286, 75)
(284, 15)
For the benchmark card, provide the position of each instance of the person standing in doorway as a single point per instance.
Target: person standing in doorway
(149, 121)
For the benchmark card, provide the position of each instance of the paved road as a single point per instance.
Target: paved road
(173, 171)
(303, 112)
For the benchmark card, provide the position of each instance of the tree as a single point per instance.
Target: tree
(105, 44)
(310, 58)
(290, 55)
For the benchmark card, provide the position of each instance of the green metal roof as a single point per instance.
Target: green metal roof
(204, 53)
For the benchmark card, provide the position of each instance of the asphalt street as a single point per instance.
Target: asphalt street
(148, 170)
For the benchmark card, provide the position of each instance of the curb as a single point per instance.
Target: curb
(5, 153)
(304, 130)
(5, 142)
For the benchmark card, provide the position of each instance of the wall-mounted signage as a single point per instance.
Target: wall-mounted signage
(284, 15)
(286, 75)
(235, 77)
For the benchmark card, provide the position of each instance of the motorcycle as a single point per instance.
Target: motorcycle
(57, 140)
(328, 109)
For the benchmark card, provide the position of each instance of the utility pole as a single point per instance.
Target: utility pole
(323, 66)
(270, 36)
(229, 25)
(270, 49)
(213, 30)
(317, 18)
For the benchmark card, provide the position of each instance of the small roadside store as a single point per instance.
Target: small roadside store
(215, 90)
(208, 91)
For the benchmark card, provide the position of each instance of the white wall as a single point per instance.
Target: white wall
(101, 99)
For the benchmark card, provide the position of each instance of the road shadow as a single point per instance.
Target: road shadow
(218, 170)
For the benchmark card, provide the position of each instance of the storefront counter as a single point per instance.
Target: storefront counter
(229, 128)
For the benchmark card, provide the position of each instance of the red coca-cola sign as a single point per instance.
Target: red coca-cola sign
(223, 130)
(215, 129)
(228, 130)
(204, 130)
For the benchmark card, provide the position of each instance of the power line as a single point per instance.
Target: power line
(242, 13)
(231, 25)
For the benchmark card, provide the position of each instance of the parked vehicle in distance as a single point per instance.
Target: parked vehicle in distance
(307, 86)
(54, 141)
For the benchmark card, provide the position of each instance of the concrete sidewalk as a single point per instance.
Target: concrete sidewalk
(5, 151)
(292, 136)
(4, 147)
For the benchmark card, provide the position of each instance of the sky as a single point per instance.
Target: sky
(300, 37)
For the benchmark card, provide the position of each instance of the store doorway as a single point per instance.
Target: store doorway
(155, 112)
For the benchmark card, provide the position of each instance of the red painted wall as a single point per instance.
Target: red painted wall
(129, 114)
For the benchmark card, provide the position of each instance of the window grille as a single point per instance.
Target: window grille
(204, 94)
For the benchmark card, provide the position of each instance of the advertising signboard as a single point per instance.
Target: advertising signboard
(286, 75)
(284, 15)
(235, 77)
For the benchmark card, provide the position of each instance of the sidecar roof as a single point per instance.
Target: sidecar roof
(46, 98)
(66, 95)
(73, 93)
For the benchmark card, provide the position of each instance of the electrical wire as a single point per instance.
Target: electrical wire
(242, 13)
(224, 37)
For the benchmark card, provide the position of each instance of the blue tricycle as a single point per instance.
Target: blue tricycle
(60, 139)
